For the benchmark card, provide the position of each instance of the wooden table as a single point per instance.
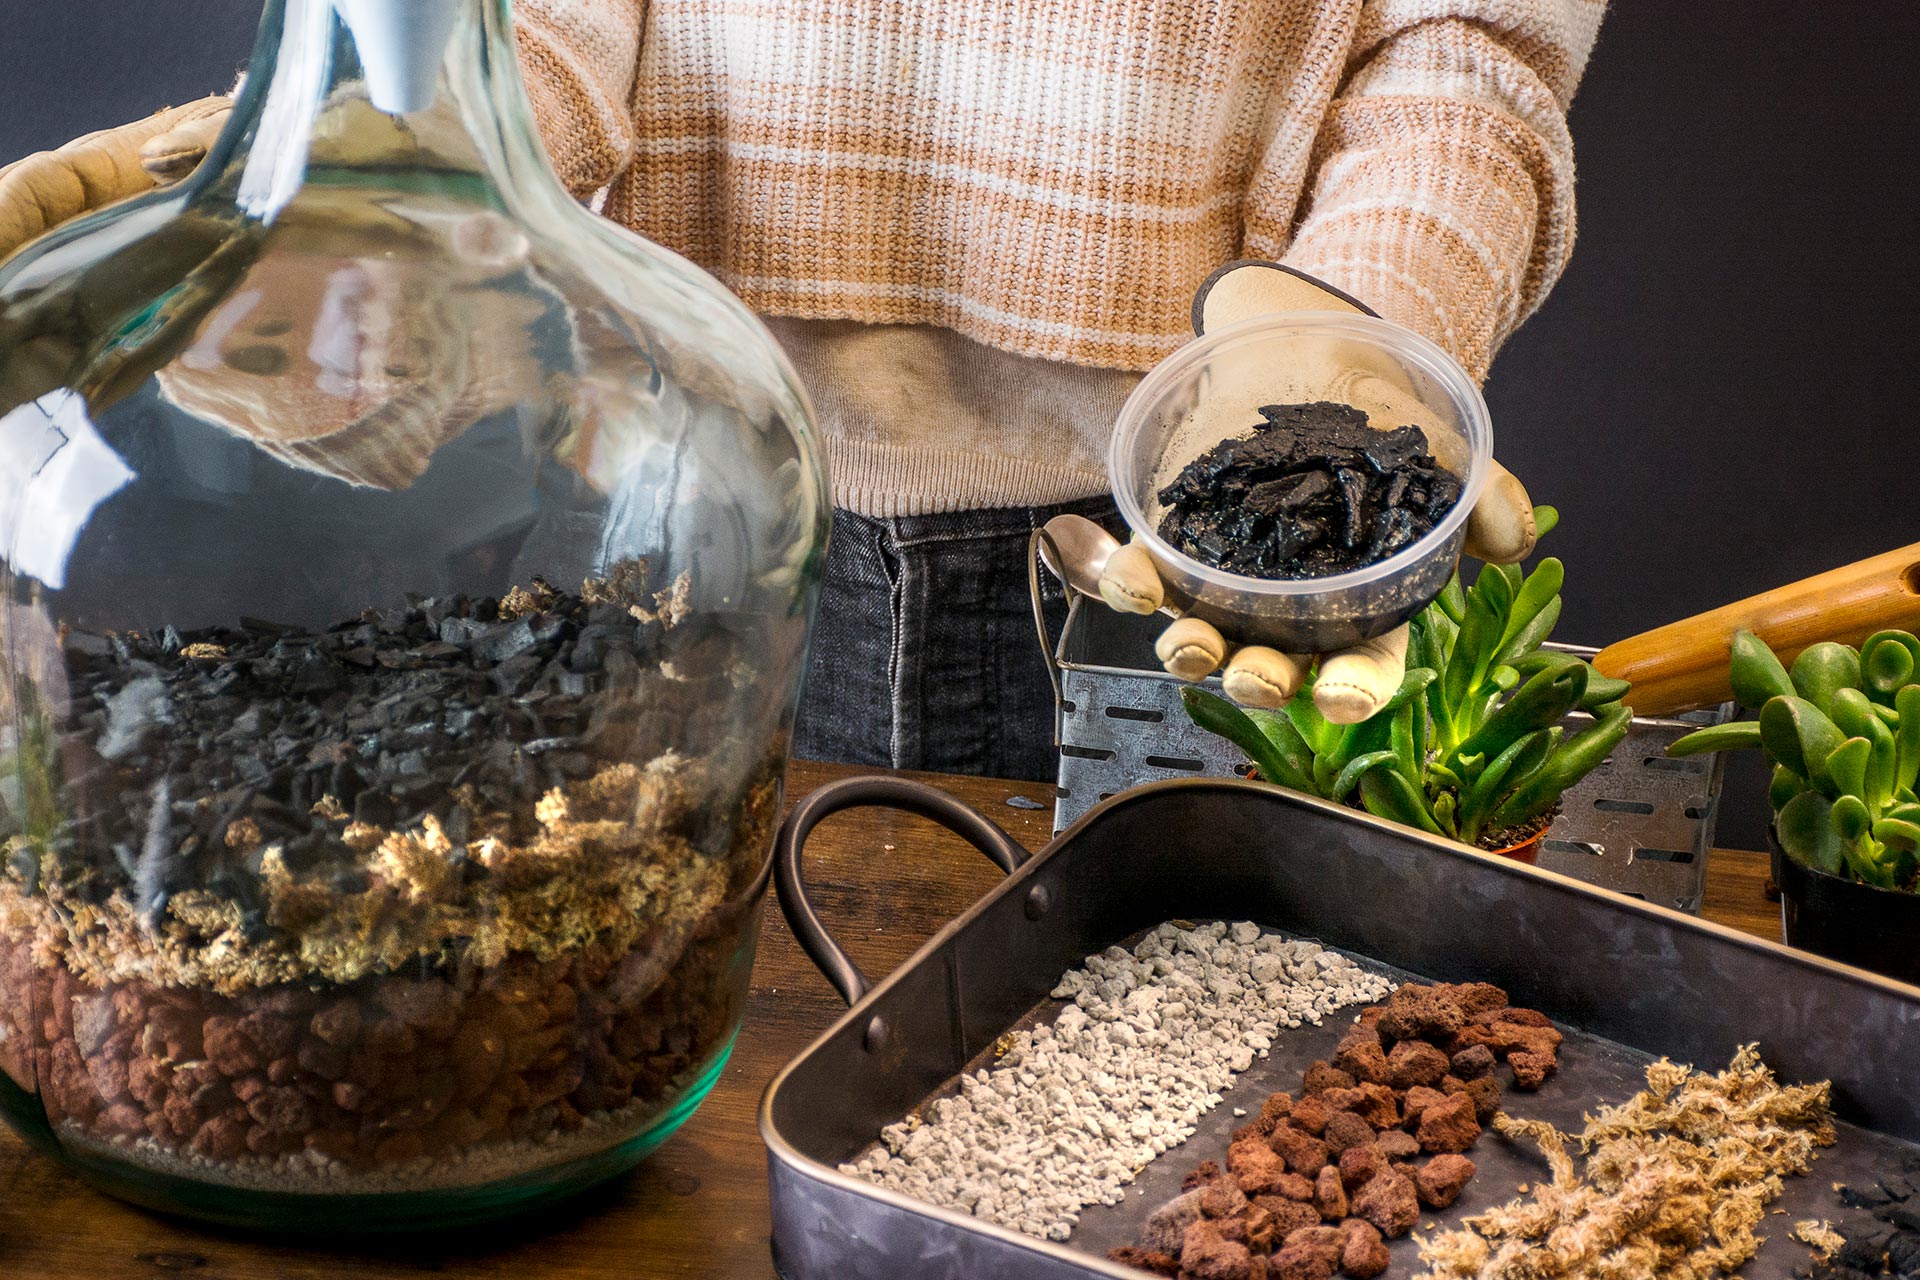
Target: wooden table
(883, 881)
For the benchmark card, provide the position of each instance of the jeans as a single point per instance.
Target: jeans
(924, 653)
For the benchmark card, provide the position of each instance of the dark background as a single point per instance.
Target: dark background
(1712, 395)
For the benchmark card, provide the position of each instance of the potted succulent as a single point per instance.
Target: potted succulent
(1842, 732)
(1472, 746)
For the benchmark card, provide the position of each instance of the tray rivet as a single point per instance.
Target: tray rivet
(1039, 901)
(878, 1036)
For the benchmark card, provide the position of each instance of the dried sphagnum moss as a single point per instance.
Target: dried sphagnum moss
(1676, 1180)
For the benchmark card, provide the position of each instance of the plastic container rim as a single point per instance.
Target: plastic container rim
(1402, 343)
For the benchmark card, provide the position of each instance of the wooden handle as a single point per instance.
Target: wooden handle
(1683, 665)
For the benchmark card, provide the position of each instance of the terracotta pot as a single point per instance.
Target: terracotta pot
(1844, 920)
(1527, 850)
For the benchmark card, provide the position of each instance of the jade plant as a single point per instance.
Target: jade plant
(1472, 745)
(1842, 732)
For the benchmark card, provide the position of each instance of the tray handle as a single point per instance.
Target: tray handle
(858, 793)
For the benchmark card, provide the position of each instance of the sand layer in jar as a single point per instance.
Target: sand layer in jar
(424, 907)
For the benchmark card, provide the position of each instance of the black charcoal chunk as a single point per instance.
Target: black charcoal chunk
(1312, 490)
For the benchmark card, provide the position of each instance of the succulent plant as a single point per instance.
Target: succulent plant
(1842, 732)
(1472, 745)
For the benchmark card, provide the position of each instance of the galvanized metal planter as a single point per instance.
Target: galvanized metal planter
(1640, 824)
(1625, 978)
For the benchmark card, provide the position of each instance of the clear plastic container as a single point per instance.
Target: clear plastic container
(407, 578)
(1212, 389)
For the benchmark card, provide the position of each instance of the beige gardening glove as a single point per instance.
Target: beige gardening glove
(43, 190)
(1354, 683)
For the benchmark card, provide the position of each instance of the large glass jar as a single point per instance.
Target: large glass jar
(407, 577)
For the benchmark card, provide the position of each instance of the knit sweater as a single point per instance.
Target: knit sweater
(1027, 192)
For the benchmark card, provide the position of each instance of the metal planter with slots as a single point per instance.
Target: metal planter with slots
(1640, 824)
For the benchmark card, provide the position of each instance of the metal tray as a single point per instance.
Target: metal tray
(1641, 824)
(1623, 978)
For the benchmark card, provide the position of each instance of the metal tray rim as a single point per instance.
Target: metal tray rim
(779, 1149)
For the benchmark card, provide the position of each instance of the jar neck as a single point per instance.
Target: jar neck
(389, 86)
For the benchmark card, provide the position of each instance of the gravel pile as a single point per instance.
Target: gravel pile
(1073, 1111)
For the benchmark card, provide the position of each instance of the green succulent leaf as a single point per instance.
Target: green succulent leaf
(1897, 833)
(1804, 827)
(1734, 735)
(1545, 519)
(1316, 730)
(1537, 598)
(1784, 786)
(1356, 768)
(1799, 735)
(1412, 686)
(1386, 794)
(1285, 761)
(1756, 672)
(1503, 678)
(1906, 768)
(1888, 660)
(1443, 814)
(1576, 758)
(1453, 600)
(1847, 766)
(1602, 690)
(1544, 700)
(1517, 762)
(1850, 819)
(1822, 670)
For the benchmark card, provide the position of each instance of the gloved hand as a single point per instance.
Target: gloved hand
(43, 190)
(1354, 683)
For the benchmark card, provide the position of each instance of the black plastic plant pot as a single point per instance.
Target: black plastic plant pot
(1844, 920)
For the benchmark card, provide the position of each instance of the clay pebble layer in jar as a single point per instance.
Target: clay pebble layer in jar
(1313, 490)
(405, 903)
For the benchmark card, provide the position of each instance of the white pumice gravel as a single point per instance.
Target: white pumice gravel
(1073, 1111)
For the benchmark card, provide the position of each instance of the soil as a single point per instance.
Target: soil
(416, 897)
(1312, 490)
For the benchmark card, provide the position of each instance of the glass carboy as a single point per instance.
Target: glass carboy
(407, 577)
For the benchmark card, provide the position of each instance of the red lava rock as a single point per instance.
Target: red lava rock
(1418, 1099)
(1275, 1109)
(338, 1024)
(1311, 1113)
(1415, 1062)
(1440, 1180)
(1167, 1226)
(1322, 1076)
(1309, 1252)
(1448, 1125)
(1389, 1202)
(1201, 1174)
(1285, 1216)
(1363, 1254)
(1414, 1012)
(1222, 1198)
(232, 1051)
(1397, 1144)
(1330, 1194)
(1164, 1264)
(1254, 1165)
(1530, 1070)
(1346, 1130)
(1206, 1254)
(1476, 998)
(1485, 1093)
(1305, 1154)
(1362, 1057)
(1523, 1017)
(1472, 1062)
(221, 1138)
(1376, 1105)
(1357, 1164)
(1294, 1187)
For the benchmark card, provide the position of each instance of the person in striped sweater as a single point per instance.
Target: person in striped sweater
(974, 225)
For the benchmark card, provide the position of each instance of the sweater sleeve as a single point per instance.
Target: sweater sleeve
(578, 59)
(1440, 188)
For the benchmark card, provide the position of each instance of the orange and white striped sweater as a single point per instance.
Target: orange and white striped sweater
(973, 222)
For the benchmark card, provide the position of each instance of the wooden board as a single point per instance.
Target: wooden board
(698, 1208)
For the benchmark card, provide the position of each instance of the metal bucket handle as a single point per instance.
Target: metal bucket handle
(856, 793)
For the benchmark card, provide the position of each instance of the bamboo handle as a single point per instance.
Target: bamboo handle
(1683, 665)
